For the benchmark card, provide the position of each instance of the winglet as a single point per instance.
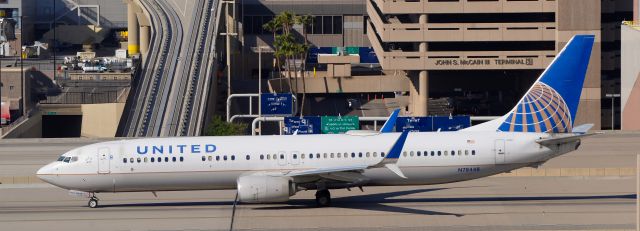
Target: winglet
(391, 121)
(390, 160)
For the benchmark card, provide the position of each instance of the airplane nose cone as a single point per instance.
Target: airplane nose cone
(46, 173)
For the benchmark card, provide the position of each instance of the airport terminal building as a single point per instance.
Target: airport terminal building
(481, 56)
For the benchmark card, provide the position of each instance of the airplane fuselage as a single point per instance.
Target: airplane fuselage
(205, 163)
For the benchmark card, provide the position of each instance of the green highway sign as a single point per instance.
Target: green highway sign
(339, 124)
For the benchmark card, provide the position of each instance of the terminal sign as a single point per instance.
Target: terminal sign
(339, 124)
(484, 62)
(280, 104)
(303, 125)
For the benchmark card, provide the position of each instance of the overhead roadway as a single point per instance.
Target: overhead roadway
(170, 92)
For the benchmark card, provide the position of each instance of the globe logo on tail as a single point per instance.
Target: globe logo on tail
(542, 109)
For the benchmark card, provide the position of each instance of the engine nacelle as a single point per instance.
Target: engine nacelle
(265, 189)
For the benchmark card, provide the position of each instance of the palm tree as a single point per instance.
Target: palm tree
(274, 26)
(304, 20)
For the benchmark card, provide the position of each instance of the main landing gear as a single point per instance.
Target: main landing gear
(323, 198)
(93, 201)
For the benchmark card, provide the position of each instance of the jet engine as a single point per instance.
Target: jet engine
(265, 189)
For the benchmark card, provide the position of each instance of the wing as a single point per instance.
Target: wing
(344, 173)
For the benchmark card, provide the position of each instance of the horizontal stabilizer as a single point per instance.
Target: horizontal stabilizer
(582, 129)
(556, 140)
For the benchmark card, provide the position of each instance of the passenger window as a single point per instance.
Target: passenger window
(217, 158)
(209, 158)
(353, 155)
(466, 152)
(473, 152)
(325, 155)
(375, 154)
(459, 152)
(224, 158)
(268, 156)
(282, 156)
(145, 160)
(332, 155)
(233, 157)
(339, 155)
(124, 160)
(166, 159)
(261, 156)
(152, 159)
(433, 153)
(418, 153)
(382, 154)
(159, 159)
(204, 158)
(181, 158)
(317, 155)
(404, 153)
(368, 154)
(173, 159)
(275, 156)
(360, 154)
(411, 153)
(248, 158)
(439, 153)
(453, 152)
(295, 156)
(139, 160)
(311, 156)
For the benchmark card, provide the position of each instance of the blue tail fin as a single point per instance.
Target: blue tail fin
(551, 103)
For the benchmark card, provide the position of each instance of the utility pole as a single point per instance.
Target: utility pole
(229, 32)
(24, 102)
(53, 46)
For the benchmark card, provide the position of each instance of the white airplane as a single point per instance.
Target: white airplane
(273, 168)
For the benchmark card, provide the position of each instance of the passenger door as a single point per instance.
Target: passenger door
(104, 160)
(500, 151)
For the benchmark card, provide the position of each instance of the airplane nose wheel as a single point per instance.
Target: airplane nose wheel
(323, 198)
(93, 201)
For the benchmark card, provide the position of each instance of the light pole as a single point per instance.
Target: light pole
(260, 49)
(613, 111)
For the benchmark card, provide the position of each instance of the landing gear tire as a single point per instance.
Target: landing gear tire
(93, 203)
(323, 198)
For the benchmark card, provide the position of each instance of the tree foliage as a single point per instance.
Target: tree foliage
(220, 127)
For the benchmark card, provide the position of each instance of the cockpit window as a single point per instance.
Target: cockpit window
(74, 159)
(61, 158)
(67, 159)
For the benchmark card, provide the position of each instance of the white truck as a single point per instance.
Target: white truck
(87, 68)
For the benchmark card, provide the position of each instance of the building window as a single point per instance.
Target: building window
(325, 25)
